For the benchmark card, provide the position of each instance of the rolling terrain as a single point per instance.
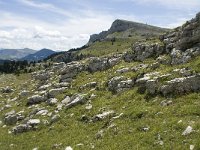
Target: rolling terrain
(121, 91)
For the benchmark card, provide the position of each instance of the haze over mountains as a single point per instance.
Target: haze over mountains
(39, 55)
(15, 53)
(24, 54)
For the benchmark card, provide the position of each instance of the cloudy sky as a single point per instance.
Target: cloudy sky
(65, 24)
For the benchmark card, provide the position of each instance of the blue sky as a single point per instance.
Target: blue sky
(65, 24)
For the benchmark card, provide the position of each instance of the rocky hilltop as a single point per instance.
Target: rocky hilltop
(131, 29)
(145, 97)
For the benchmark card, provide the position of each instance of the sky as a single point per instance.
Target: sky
(64, 24)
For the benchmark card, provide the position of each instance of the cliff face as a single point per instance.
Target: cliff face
(123, 25)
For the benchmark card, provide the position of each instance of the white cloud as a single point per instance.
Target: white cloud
(46, 6)
(74, 29)
(37, 34)
(173, 4)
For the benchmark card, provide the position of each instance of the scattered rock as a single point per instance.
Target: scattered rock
(52, 101)
(68, 148)
(103, 115)
(99, 134)
(54, 92)
(10, 119)
(123, 70)
(191, 147)
(42, 75)
(166, 103)
(21, 128)
(54, 119)
(7, 90)
(88, 106)
(33, 122)
(44, 87)
(24, 93)
(188, 130)
(42, 112)
(75, 100)
(66, 100)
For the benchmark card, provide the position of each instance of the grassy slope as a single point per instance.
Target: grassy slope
(138, 113)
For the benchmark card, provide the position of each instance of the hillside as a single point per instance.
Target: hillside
(132, 93)
(121, 35)
(14, 54)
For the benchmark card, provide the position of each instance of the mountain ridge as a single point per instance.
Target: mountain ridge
(120, 25)
(39, 55)
(14, 54)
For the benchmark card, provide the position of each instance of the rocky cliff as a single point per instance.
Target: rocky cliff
(129, 26)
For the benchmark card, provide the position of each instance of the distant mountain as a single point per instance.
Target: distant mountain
(39, 55)
(14, 54)
(126, 29)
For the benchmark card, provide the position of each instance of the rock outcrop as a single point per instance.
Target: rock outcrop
(100, 64)
(70, 71)
(120, 83)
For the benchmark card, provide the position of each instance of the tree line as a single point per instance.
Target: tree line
(15, 66)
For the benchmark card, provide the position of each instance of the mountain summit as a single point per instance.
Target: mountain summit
(129, 28)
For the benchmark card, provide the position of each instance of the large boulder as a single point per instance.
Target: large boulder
(21, 128)
(100, 64)
(142, 51)
(35, 99)
(75, 100)
(41, 75)
(11, 117)
(70, 71)
(54, 92)
(120, 83)
(181, 85)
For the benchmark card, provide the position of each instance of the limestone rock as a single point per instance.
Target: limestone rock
(24, 93)
(119, 83)
(7, 90)
(35, 99)
(21, 128)
(103, 115)
(187, 131)
(52, 101)
(75, 100)
(66, 100)
(70, 71)
(123, 70)
(54, 92)
(33, 122)
(181, 85)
